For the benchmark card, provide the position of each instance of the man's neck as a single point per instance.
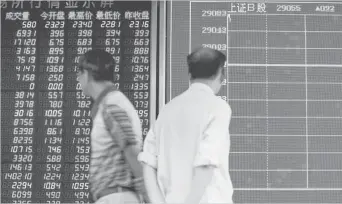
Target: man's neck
(202, 81)
(98, 88)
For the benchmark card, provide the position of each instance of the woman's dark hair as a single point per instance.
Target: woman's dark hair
(204, 63)
(100, 64)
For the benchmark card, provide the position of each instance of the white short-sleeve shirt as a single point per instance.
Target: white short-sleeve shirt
(191, 130)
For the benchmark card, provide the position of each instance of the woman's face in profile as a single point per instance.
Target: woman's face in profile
(82, 75)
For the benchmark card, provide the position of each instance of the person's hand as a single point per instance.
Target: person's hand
(140, 188)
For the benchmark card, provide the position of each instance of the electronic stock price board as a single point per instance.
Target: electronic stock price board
(45, 118)
(284, 85)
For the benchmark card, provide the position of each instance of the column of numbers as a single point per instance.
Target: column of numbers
(25, 44)
(112, 45)
(53, 108)
(81, 118)
(139, 59)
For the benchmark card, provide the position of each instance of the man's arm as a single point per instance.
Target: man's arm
(207, 158)
(151, 184)
(121, 129)
(149, 159)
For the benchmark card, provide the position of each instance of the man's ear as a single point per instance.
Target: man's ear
(87, 75)
(219, 75)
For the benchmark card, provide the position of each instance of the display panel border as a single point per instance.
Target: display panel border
(153, 61)
(165, 42)
(162, 53)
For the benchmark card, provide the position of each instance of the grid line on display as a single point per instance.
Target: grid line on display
(287, 117)
(281, 82)
(288, 153)
(170, 45)
(265, 1)
(267, 145)
(268, 84)
(227, 55)
(306, 106)
(286, 48)
(263, 135)
(286, 65)
(297, 100)
(285, 31)
(288, 189)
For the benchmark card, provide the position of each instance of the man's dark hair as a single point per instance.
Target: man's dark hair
(100, 65)
(204, 63)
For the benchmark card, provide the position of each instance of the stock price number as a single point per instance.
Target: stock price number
(82, 167)
(53, 167)
(53, 140)
(80, 176)
(215, 30)
(81, 122)
(141, 33)
(139, 59)
(56, 33)
(282, 8)
(54, 131)
(139, 86)
(140, 68)
(54, 68)
(51, 185)
(22, 131)
(81, 140)
(23, 113)
(139, 24)
(141, 50)
(82, 131)
(53, 195)
(142, 113)
(141, 104)
(110, 24)
(83, 149)
(80, 186)
(22, 95)
(21, 149)
(140, 95)
(26, 51)
(21, 185)
(26, 33)
(56, 51)
(18, 176)
(53, 158)
(83, 104)
(22, 140)
(82, 158)
(52, 176)
(221, 47)
(82, 24)
(141, 77)
(21, 194)
(54, 149)
(26, 68)
(54, 24)
(23, 122)
(23, 104)
(26, 77)
(137, 42)
(81, 195)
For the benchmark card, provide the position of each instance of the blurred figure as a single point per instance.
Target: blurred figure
(186, 152)
(115, 173)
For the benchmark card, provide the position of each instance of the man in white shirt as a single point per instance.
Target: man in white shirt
(186, 152)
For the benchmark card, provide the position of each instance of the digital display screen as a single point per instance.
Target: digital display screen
(284, 85)
(46, 121)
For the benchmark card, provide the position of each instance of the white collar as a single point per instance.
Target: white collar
(201, 86)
